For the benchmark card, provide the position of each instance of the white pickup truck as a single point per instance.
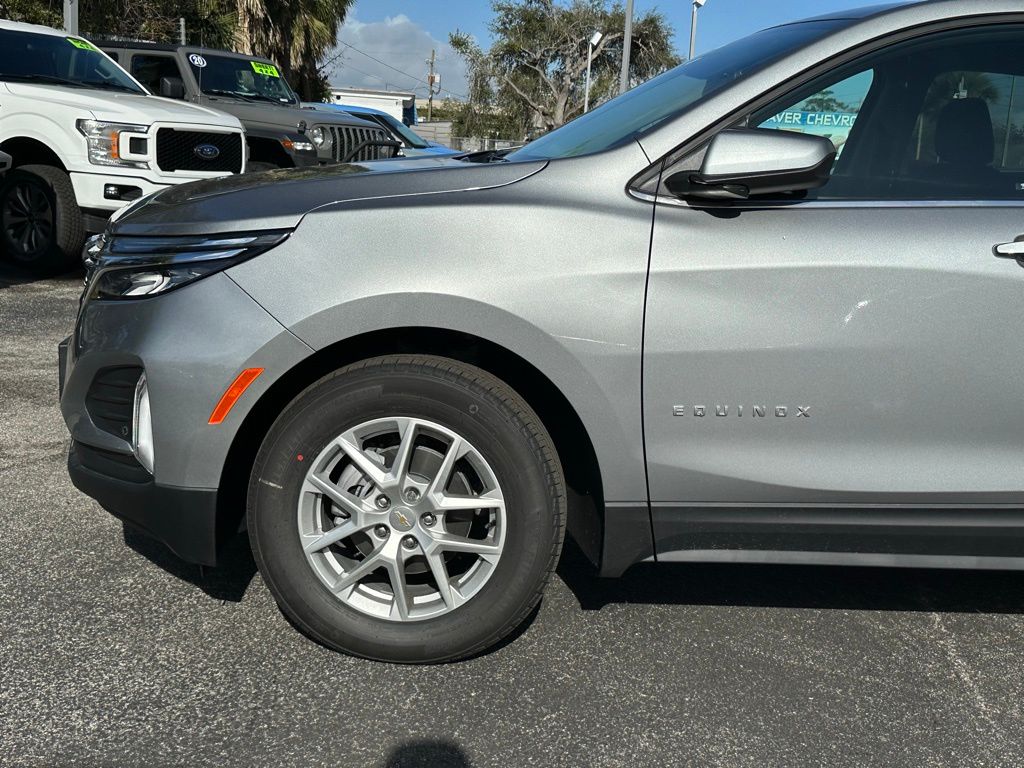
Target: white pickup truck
(86, 139)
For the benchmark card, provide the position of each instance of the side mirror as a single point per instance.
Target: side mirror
(172, 88)
(744, 162)
(5, 162)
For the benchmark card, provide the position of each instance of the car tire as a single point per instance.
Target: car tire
(41, 226)
(502, 438)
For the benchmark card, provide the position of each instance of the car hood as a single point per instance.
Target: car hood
(279, 199)
(122, 107)
(280, 117)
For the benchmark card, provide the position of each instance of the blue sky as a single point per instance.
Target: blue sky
(401, 33)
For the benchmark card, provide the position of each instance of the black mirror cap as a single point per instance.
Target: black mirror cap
(782, 163)
(172, 88)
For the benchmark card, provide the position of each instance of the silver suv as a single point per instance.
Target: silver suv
(759, 309)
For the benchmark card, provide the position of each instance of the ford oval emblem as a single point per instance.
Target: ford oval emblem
(207, 151)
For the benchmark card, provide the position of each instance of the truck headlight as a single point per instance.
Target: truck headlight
(104, 142)
(138, 267)
(321, 137)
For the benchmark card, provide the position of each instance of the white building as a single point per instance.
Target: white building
(398, 104)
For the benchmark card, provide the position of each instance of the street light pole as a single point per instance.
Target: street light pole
(627, 44)
(693, 25)
(594, 40)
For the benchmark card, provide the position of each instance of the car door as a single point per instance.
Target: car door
(861, 348)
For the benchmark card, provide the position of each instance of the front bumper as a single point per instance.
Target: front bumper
(89, 189)
(191, 343)
(184, 519)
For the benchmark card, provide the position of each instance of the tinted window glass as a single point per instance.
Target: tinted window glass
(830, 112)
(149, 68)
(241, 78)
(939, 118)
(646, 106)
(59, 60)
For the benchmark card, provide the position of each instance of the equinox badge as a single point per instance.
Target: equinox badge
(756, 411)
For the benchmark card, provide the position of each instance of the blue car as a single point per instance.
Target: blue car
(413, 145)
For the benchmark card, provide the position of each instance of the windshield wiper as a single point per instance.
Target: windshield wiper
(53, 79)
(486, 156)
(44, 79)
(246, 96)
(108, 86)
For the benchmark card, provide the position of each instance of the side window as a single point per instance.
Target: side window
(114, 55)
(830, 112)
(149, 68)
(956, 99)
(940, 117)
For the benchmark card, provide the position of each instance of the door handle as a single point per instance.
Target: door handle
(1014, 250)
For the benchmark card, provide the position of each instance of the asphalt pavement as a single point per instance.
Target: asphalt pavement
(113, 652)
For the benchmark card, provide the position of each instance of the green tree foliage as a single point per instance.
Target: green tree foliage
(533, 77)
(825, 101)
(297, 34)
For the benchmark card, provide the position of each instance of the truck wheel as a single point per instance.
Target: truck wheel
(41, 226)
(408, 509)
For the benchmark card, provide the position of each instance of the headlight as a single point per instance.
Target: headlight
(104, 142)
(321, 137)
(299, 145)
(137, 267)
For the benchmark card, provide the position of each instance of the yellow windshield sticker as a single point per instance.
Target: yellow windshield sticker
(264, 69)
(83, 44)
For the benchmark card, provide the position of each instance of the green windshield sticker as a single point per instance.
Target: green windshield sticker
(264, 69)
(83, 44)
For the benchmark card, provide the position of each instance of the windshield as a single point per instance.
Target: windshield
(410, 137)
(646, 106)
(28, 57)
(243, 78)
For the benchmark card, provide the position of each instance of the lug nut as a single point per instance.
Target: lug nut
(428, 519)
(383, 502)
(381, 531)
(412, 495)
(409, 542)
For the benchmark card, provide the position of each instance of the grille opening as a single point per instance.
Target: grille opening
(111, 398)
(188, 151)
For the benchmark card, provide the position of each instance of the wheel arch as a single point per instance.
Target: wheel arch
(571, 437)
(25, 150)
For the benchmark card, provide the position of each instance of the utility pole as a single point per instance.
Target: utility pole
(71, 17)
(432, 80)
(627, 44)
(697, 5)
(181, 30)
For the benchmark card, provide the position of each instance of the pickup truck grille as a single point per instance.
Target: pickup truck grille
(180, 151)
(348, 140)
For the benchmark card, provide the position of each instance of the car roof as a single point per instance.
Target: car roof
(353, 108)
(17, 26)
(141, 45)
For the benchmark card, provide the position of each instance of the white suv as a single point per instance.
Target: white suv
(86, 139)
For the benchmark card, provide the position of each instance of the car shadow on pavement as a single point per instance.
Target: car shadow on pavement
(12, 275)
(228, 581)
(427, 754)
(796, 586)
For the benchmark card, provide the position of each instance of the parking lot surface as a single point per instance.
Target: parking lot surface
(113, 652)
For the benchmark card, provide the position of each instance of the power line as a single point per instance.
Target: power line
(396, 69)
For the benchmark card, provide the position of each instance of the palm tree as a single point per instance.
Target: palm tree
(294, 33)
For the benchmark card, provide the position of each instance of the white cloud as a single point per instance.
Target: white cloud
(403, 44)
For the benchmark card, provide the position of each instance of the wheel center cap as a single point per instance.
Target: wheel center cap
(401, 519)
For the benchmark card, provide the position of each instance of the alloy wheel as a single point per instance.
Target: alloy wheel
(27, 218)
(402, 519)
